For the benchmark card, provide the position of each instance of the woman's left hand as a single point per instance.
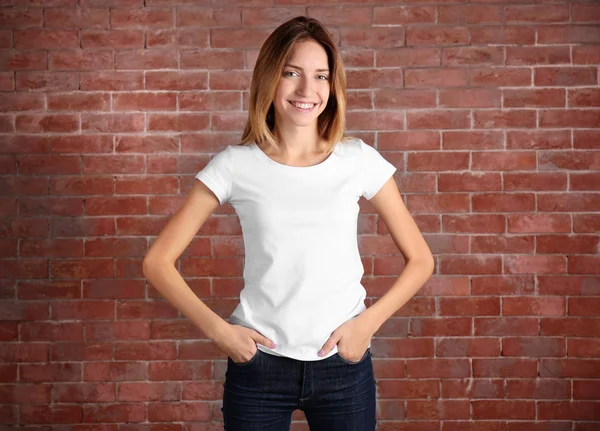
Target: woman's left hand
(352, 339)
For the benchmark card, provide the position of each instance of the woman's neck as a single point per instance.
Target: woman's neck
(298, 142)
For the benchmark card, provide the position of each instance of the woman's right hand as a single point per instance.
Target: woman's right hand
(239, 342)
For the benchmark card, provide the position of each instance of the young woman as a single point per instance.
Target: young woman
(301, 335)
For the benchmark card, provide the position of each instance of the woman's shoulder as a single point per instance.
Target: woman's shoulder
(349, 146)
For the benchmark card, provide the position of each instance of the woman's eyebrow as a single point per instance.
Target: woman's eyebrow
(299, 68)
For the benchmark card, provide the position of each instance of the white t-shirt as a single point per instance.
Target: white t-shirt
(302, 271)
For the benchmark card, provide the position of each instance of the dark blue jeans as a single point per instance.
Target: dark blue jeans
(334, 393)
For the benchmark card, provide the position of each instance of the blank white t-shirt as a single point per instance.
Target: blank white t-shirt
(302, 270)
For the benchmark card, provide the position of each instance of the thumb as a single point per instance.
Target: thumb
(261, 339)
(330, 344)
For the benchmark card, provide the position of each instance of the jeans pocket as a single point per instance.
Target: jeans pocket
(248, 362)
(346, 361)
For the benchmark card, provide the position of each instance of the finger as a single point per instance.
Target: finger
(328, 346)
(263, 340)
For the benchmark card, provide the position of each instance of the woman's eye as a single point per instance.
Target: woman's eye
(290, 73)
(325, 77)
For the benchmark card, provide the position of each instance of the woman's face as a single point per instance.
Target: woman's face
(303, 88)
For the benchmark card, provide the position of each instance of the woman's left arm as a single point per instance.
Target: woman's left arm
(419, 265)
(419, 262)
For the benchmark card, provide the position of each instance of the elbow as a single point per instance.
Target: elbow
(426, 263)
(150, 264)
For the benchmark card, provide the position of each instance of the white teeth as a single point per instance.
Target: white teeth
(303, 105)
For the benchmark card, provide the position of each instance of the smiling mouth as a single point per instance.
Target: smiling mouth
(303, 106)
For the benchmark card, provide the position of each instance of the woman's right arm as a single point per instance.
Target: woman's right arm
(236, 341)
(159, 262)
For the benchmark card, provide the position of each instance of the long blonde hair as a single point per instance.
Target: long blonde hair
(267, 73)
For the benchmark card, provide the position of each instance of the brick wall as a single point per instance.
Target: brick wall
(490, 111)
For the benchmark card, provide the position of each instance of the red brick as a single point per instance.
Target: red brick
(537, 13)
(81, 227)
(141, 18)
(62, 372)
(445, 368)
(397, 57)
(114, 413)
(472, 388)
(80, 60)
(24, 352)
(24, 60)
(505, 35)
(145, 59)
(437, 36)
(503, 409)
(51, 248)
(182, 411)
(403, 15)
(149, 391)
(503, 202)
(273, 16)
(537, 55)
(211, 59)
(47, 81)
(538, 389)
(111, 123)
(371, 120)
(146, 351)
(45, 39)
(17, 18)
(570, 410)
(469, 306)
(117, 39)
(583, 348)
(179, 370)
(551, 34)
(445, 203)
(54, 414)
(83, 392)
(502, 244)
(569, 368)
(501, 326)
(533, 347)
(48, 289)
(82, 310)
(565, 76)
(112, 81)
(476, 223)
(24, 394)
(408, 389)
(574, 327)
(583, 54)
(470, 347)
(238, 38)
(46, 123)
(81, 268)
(76, 18)
(24, 269)
(21, 102)
(438, 409)
(114, 371)
(584, 202)
(435, 78)
(562, 244)
(51, 331)
(470, 264)
(374, 37)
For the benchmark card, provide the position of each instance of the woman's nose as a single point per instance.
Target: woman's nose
(304, 87)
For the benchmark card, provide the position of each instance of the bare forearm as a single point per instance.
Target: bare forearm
(413, 277)
(167, 280)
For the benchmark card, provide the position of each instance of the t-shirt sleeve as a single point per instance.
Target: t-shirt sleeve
(375, 170)
(217, 175)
